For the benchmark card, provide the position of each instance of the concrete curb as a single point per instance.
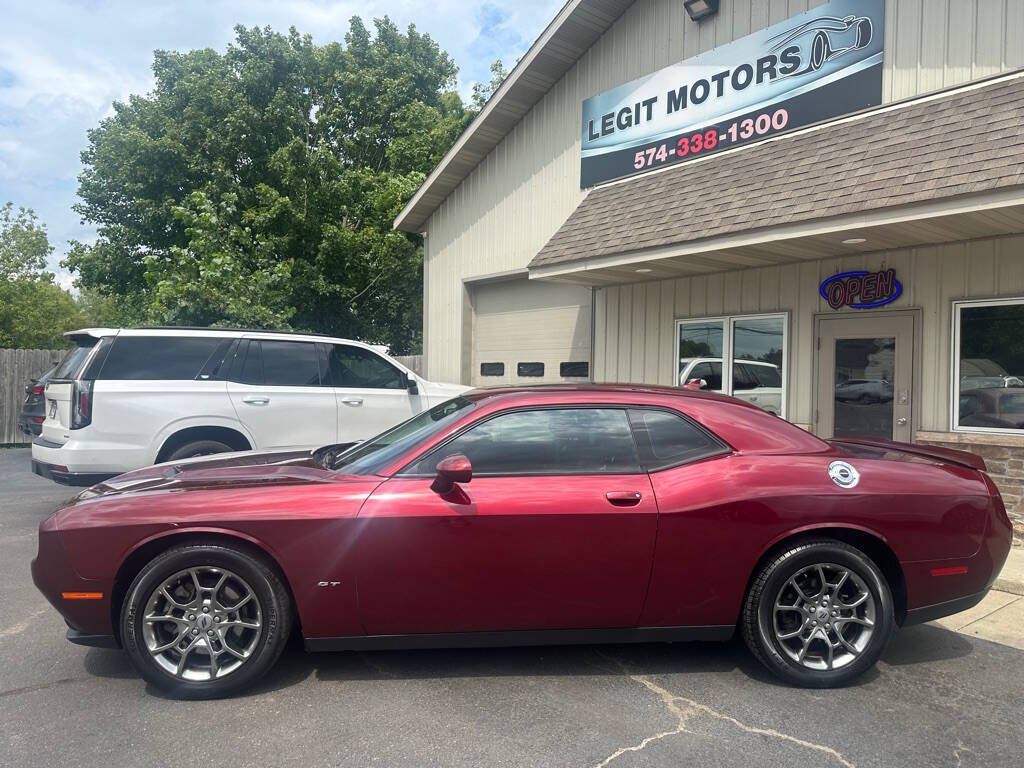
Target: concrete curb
(1011, 578)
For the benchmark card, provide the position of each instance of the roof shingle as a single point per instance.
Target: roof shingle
(962, 143)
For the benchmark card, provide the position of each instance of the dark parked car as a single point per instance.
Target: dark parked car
(530, 516)
(33, 410)
(1001, 407)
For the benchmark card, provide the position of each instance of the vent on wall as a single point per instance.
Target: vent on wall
(530, 369)
(574, 370)
(492, 369)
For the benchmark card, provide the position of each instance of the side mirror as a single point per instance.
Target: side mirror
(451, 470)
(411, 385)
(696, 384)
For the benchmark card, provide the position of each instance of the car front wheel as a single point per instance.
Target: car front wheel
(818, 614)
(205, 620)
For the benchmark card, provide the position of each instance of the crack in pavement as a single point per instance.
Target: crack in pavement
(40, 686)
(692, 708)
(21, 626)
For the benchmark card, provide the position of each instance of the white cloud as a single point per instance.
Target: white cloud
(63, 63)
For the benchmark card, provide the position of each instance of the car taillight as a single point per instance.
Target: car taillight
(81, 405)
(38, 389)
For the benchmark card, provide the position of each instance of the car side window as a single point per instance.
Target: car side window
(362, 369)
(667, 439)
(710, 372)
(742, 378)
(158, 358)
(556, 441)
(279, 364)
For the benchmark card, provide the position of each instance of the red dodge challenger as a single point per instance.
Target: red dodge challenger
(526, 516)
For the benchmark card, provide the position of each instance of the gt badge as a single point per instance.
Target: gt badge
(328, 583)
(843, 474)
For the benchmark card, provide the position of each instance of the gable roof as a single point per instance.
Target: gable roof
(893, 156)
(572, 32)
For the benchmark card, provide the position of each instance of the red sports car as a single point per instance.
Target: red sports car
(527, 516)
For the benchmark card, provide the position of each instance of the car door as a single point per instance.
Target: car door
(372, 394)
(556, 530)
(276, 391)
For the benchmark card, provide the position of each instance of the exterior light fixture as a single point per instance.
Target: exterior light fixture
(700, 9)
(854, 241)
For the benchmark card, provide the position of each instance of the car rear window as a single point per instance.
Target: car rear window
(72, 363)
(667, 440)
(158, 358)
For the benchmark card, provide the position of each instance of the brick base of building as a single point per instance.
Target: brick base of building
(1004, 457)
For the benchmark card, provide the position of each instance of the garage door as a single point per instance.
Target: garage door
(530, 332)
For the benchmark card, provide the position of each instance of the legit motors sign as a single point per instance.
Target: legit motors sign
(861, 290)
(816, 66)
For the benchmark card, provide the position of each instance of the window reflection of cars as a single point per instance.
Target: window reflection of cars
(864, 391)
(825, 39)
(968, 383)
(999, 407)
(755, 381)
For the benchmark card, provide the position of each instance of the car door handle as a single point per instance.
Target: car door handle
(352, 401)
(623, 498)
(256, 400)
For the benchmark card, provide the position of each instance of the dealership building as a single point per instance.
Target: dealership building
(816, 206)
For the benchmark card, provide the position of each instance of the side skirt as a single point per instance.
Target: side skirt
(509, 639)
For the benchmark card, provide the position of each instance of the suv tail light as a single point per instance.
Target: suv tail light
(81, 405)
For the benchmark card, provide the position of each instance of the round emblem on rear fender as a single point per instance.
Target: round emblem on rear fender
(843, 474)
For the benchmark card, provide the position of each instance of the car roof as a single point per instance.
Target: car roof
(558, 391)
(230, 333)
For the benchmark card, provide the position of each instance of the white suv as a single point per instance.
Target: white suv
(125, 399)
(755, 381)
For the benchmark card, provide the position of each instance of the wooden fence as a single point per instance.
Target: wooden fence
(17, 367)
(412, 362)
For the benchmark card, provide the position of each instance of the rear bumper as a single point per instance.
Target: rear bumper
(60, 474)
(940, 610)
(81, 461)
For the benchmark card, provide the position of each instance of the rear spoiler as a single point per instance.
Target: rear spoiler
(946, 455)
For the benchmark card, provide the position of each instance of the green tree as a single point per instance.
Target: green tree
(258, 186)
(34, 311)
(483, 91)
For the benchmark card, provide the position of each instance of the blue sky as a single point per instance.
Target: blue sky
(63, 63)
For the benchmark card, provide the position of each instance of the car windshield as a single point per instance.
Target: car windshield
(372, 456)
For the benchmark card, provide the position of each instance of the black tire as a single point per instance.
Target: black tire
(196, 448)
(821, 49)
(273, 603)
(759, 627)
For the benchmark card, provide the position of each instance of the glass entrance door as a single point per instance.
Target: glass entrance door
(865, 377)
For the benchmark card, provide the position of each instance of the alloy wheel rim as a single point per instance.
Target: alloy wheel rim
(202, 623)
(824, 617)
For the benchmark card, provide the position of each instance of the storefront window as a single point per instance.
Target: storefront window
(989, 370)
(753, 350)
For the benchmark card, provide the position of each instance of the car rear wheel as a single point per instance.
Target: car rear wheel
(818, 614)
(198, 448)
(204, 620)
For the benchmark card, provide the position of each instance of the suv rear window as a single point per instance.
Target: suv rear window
(73, 360)
(158, 358)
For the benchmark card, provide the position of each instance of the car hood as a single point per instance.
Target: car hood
(249, 468)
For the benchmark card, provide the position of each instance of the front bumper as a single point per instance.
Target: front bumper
(60, 474)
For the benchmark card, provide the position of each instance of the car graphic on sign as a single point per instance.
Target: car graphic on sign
(825, 39)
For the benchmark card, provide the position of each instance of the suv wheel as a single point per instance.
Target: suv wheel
(819, 614)
(204, 621)
(198, 448)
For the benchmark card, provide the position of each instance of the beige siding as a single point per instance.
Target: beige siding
(933, 277)
(508, 208)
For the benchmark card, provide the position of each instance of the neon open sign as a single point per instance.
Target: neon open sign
(861, 290)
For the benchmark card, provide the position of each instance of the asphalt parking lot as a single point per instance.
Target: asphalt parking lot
(938, 698)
